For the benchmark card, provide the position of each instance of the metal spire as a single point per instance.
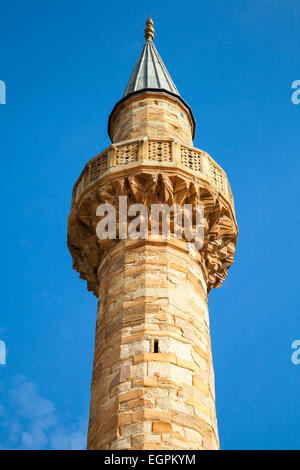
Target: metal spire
(150, 71)
(149, 31)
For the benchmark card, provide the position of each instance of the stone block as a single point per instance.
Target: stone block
(161, 427)
(131, 395)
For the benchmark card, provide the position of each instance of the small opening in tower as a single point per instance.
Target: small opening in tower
(155, 346)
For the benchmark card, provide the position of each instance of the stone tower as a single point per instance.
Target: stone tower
(153, 380)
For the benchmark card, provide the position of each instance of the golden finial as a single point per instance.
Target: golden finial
(149, 31)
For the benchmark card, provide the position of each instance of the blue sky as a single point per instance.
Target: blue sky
(65, 64)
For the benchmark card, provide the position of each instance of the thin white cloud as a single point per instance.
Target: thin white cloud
(30, 421)
(73, 439)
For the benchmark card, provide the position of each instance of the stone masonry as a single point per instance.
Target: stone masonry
(151, 115)
(153, 380)
(142, 398)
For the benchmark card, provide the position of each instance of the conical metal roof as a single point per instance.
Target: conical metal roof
(150, 75)
(150, 72)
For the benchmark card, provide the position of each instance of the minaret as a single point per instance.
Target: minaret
(153, 380)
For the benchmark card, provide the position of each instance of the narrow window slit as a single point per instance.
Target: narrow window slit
(155, 346)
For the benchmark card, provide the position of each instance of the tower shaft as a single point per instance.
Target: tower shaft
(153, 383)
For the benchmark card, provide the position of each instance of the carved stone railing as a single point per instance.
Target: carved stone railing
(166, 152)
